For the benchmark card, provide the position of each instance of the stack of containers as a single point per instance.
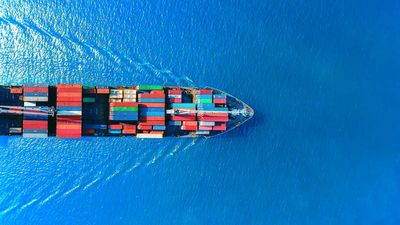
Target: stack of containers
(116, 95)
(204, 96)
(219, 99)
(123, 111)
(35, 93)
(115, 128)
(129, 95)
(212, 117)
(35, 125)
(175, 96)
(179, 120)
(152, 110)
(69, 111)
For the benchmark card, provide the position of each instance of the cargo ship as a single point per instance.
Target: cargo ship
(144, 111)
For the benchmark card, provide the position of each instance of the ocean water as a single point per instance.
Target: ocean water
(322, 77)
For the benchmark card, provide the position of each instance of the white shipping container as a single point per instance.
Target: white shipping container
(15, 130)
(29, 103)
(115, 100)
(205, 123)
(129, 100)
(36, 99)
(129, 91)
(149, 135)
(174, 96)
(116, 92)
(34, 135)
(203, 132)
(69, 113)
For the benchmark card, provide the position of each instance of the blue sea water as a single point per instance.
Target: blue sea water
(322, 77)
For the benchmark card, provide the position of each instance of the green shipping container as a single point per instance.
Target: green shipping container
(204, 100)
(150, 87)
(88, 100)
(89, 87)
(124, 109)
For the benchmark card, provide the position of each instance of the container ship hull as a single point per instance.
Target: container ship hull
(147, 111)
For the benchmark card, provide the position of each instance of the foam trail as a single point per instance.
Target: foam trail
(29, 203)
(49, 198)
(71, 190)
(8, 209)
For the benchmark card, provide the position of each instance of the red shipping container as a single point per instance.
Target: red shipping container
(69, 99)
(123, 104)
(160, 92)
(116, 126)
(219, 101)
(68, 127)
(174, 92)
(189, 123)
(35, 126)
(66, 94)
(36, 89)
(69, 103)
(151, 118)
(214, 114)
(144, 127)
(16, 90)
(129, 131)
(69, 85)
(205, 128)
(189, 128)
(152, 105)
(220, 127)
(70, 118)
(68, 131)
(151, 95)
(68, 135)
(183, 117)
(175, 100)
(103, 91)
(69, 90)
(213, 118)
(156, 132)
(205, 91)
(129, 126)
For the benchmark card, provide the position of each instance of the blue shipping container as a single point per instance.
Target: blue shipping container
(158, 127)
(150, 100)
(183, 105)
(36, 94)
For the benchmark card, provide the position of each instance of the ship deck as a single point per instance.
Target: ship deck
(98, 112)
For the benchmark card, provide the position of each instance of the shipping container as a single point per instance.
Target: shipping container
(150, 87)
(152, 100)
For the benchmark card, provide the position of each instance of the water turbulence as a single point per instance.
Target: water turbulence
(36, 172)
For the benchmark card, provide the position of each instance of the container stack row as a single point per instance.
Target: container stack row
(35, 93)
(204, 96)
(35, 124)
(175, 96)
(211, 117)
(151, 100)
(124, 111)
(186, 118)
(122, 128)
(69, 111)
